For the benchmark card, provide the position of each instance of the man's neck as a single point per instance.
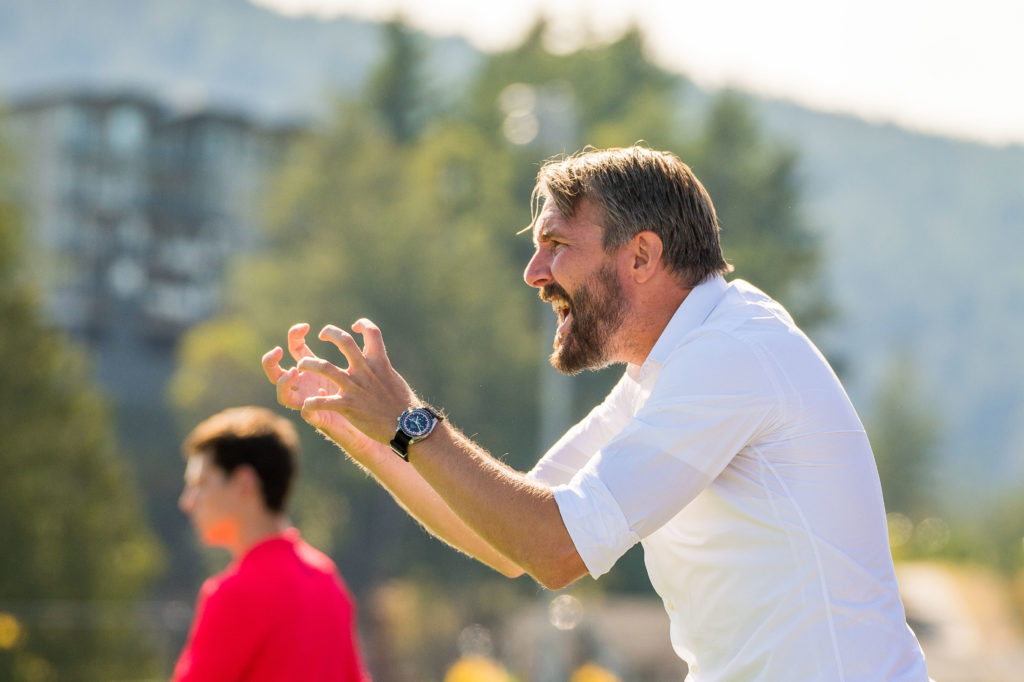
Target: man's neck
(648, 320)
(257, 529)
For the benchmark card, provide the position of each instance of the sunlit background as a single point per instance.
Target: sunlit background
(948, 67)
(181, 180)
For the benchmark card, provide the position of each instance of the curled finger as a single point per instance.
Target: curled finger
(297, 341)
(317, 403)
(271, 363)
(322, 367)
(344, 342)
(373, 340)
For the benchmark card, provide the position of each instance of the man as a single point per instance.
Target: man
(280, 611)
(728, 448)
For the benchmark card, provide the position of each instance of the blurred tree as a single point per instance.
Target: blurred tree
(77, 550)
(407, 235)
(904, 434)
(603, 95)
(396, 90)
(1002, 531)
(754, 185)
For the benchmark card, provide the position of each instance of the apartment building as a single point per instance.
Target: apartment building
(134, 211)
(135, 208)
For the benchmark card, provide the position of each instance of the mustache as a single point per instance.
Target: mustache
(552, 291)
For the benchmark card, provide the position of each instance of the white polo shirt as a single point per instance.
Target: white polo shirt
(734, 455)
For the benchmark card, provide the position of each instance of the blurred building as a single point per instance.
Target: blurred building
(134, 210)
(85, 163)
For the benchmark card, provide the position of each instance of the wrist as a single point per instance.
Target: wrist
(413, 425)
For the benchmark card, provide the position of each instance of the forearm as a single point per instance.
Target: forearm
(454, 488)
(424, 504)
(516, 515)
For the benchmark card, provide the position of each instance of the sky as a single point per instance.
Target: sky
(947, 67)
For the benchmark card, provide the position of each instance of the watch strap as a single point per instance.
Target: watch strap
(400, 444)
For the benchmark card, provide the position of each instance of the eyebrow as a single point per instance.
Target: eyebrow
(548, 234)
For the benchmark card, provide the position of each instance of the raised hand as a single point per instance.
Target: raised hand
(294, 387)
(372, 394)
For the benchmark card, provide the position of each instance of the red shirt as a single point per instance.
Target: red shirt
(280, 613)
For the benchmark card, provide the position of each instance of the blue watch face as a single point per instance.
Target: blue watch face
(417, 422)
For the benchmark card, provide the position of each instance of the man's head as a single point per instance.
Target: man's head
(241, 463)
(639, 189)
(582, 282)
(620, 235)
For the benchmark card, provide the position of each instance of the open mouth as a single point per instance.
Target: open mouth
(563, 311)
(560, 303)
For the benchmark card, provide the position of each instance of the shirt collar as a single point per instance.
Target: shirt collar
(289, 535)
(690, 314)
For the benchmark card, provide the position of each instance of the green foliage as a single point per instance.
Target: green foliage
(1003, 528)
(405, 235)
(223, 348)
(904, 433)
(74, 542)
(617, 96)
(395, 86)
(754, 186)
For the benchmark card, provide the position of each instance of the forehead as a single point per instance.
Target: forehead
(198, 467)
(548, 219)
(550, 223)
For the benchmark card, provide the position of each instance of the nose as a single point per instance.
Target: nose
(538, 270)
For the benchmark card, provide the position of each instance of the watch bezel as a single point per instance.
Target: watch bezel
(407, 427)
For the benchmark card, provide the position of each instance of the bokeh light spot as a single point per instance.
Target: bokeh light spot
(10, 631)
(565, 612)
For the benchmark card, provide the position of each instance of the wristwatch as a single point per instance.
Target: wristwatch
(414, 424)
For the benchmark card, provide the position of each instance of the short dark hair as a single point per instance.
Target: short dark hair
(641, 189)
(252, 436)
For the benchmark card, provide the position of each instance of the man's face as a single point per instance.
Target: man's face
(580, 280)
(210, 499)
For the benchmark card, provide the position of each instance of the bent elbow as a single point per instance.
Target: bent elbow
(561, 573)
(512, 572)
(555, 583)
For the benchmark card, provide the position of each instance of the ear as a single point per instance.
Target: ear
(247, 481)
(645, 251)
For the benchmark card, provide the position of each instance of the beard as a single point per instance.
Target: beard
(598, 310)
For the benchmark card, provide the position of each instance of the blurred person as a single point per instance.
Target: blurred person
(729, 448)
(280, 611)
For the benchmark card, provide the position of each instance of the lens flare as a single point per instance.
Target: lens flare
(565, 612)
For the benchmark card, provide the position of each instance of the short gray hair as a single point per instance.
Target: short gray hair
(641, 189)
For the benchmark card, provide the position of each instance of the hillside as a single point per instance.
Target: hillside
(923, 237)
(196, 52)
(922, 234)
